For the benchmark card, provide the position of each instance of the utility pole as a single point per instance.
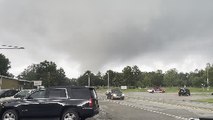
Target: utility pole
(108, 79)
(1, 81)
(88, 79)
(207, 76)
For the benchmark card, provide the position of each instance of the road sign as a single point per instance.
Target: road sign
(37, 83)
(123, 87)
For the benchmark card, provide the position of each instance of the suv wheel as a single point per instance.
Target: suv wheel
(70, 115)
(10, 115)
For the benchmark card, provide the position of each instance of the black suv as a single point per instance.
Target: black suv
(184, 92)
(66, 103)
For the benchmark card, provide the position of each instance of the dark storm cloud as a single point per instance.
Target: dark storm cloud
(95, 33)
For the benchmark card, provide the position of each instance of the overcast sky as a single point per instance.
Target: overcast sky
(98, 35)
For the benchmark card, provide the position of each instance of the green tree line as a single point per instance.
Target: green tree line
(132, 76)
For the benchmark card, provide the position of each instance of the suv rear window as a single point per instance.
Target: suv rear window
(93, 93)
(76, 93)
(53, 93)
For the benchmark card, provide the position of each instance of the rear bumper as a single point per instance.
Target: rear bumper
(88, 112)
(118, 97)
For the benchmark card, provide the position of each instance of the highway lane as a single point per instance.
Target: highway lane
(113, 110)
(148, 104)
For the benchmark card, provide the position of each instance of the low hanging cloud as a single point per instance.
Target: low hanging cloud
(91, 34)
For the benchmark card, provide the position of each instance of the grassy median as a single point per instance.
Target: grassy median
(210, 100)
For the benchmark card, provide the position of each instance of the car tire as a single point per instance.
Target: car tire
(108, 97)
(10, 114)
(70, 115)
(112, 98)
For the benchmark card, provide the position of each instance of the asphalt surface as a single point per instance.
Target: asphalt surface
(115, 111)
(146, 106)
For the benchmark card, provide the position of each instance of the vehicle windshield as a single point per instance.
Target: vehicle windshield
(2, 91)
(116, 91)
(22, 94)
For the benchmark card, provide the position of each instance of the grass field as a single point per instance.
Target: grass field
(205, 100)
(167, 89)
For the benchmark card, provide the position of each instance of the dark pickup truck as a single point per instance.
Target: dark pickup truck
(66, 103)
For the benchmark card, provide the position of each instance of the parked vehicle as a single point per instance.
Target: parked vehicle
(21, 94)
(184, 92)
(7, 93)
(156, 90)
(66, 103)
(115, 94)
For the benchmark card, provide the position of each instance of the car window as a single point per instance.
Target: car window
(80, 94)
(8, 93)
(13, 92)
(38, 94)
(52, 93)
(93, 93)
(22, 93)
(2, 92)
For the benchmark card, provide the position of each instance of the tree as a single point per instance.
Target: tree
(171, 78)
(30, 73)
(197, 78)
(183, 80)
(136, 75)
(4, 65)
(128, 75)
(209, 72)
(47, 72)
(157, 78)
(153, 79)
(147, 80)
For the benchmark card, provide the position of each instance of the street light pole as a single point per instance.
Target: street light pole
(1, 81)
(88, 79)
(207, 75)
(207, 79)
(108, 79)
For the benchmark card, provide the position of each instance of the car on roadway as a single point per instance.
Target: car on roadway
(65, 103)
(156, 90)
(7, 92)
(115, 94)
(184, 92)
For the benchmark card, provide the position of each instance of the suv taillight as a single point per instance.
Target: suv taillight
(90, 102)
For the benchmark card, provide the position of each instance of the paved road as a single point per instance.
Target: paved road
(115, 111)
(146, 106)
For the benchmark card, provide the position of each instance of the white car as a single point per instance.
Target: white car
(156, 90)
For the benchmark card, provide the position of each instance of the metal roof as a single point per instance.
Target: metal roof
(6, 77)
